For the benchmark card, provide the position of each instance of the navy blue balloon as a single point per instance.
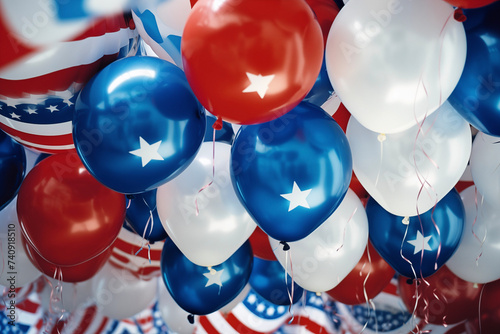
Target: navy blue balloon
(477, 94)
(268, 280)
(293, 172)
(137, 124)
(224, 135)
(139, 212)
(322, 88)
(12, 168)
(391, 237)
(195, 289)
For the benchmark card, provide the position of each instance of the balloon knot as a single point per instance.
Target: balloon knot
(130, 196)
(459, 15)
(409, 281)
(191, 318)
(217, 124)
(286, 246)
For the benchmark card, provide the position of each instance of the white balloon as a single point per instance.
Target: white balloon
(394, 61)
(415, 168)
(476, 258)
(119, 294)
(222, 224)
(17, 269)
(325, 257)
(58, 296)
(484, 166)
(174, 316)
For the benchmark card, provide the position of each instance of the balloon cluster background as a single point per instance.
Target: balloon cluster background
(263, 166)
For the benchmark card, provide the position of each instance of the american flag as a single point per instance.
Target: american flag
(254, 315)
(127, 254)
(37, 94)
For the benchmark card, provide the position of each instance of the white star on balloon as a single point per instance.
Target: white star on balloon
(147, 152)
(258, 84)
(30, 110)
(15, 116)
(214, 277)
(52, 108)
(420, 243)
(297, 197)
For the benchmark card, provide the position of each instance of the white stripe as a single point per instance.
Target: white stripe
(220, 324)
(319, 317)
(200, 330)
(68, 54)
(57, 129)
(250, 320)
(47, 147)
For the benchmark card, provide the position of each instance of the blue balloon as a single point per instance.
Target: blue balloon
(137, 124)
(268, 280)
(322, 88)
(224, 135)
(12, 168)
(418, 242)
(201, 290)
(291, 173)
(477, 94)
(142, 216)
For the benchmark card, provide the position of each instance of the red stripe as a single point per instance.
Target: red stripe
(28, 306)
(86, 319)
(391, 289)
(103, 25)
(102, 326)
(311, 325)
(131, 249)
(66, 139)
(145, 273)
(240, 327)
(207, 325)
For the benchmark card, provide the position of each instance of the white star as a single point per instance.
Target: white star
(251, 299)
(260, 307)
(10, 102)
(15, 116)
(147, 152)
(52, 108)
(68, 102)
(297, 197)
(258, 83)
(420, 243)
(30, 111)
(214, 277)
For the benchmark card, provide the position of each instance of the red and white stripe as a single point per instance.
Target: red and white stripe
(124, 255)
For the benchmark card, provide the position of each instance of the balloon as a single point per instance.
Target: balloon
(420, 63)
(240, 298)
(275, 53)
(207, 225)
(268, 280)
(477, 95)
(160, 24)
(325, 257)
(321, 90)
(131, 252)
(476, 257)
(325, 11)
(37, 98)
(67, 216)
(142, 215)
(365, 281)
(260, 245)
(63, 297)
(14, 258)
(201, 290)
(443, 299)
(225, 135)
(407, 173)
(119, 294)
(470, 3)
(484, 167)
(173, 315)
(293, 172)
(12, 168)
(417, 246)
(137, 124)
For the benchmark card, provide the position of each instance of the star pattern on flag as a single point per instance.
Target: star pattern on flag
(258, 84)
(420, 243)
(52, 108)
(214, 277)
(147, 152)
(31, 111)
(297, 197)
(15, 116)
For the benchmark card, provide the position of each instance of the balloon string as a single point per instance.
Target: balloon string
(290, 294)
(473, 225)
(381, 138)
(213, 168)
(369, 303)
(150, 219)
(345, 228)
(479, 307)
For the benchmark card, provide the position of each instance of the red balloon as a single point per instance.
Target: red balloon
(250, 62)
(66, 215)
(326, 11)
(470, 3)
(489, 311)
(351, 290)
(261, 247)
(446, 299)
